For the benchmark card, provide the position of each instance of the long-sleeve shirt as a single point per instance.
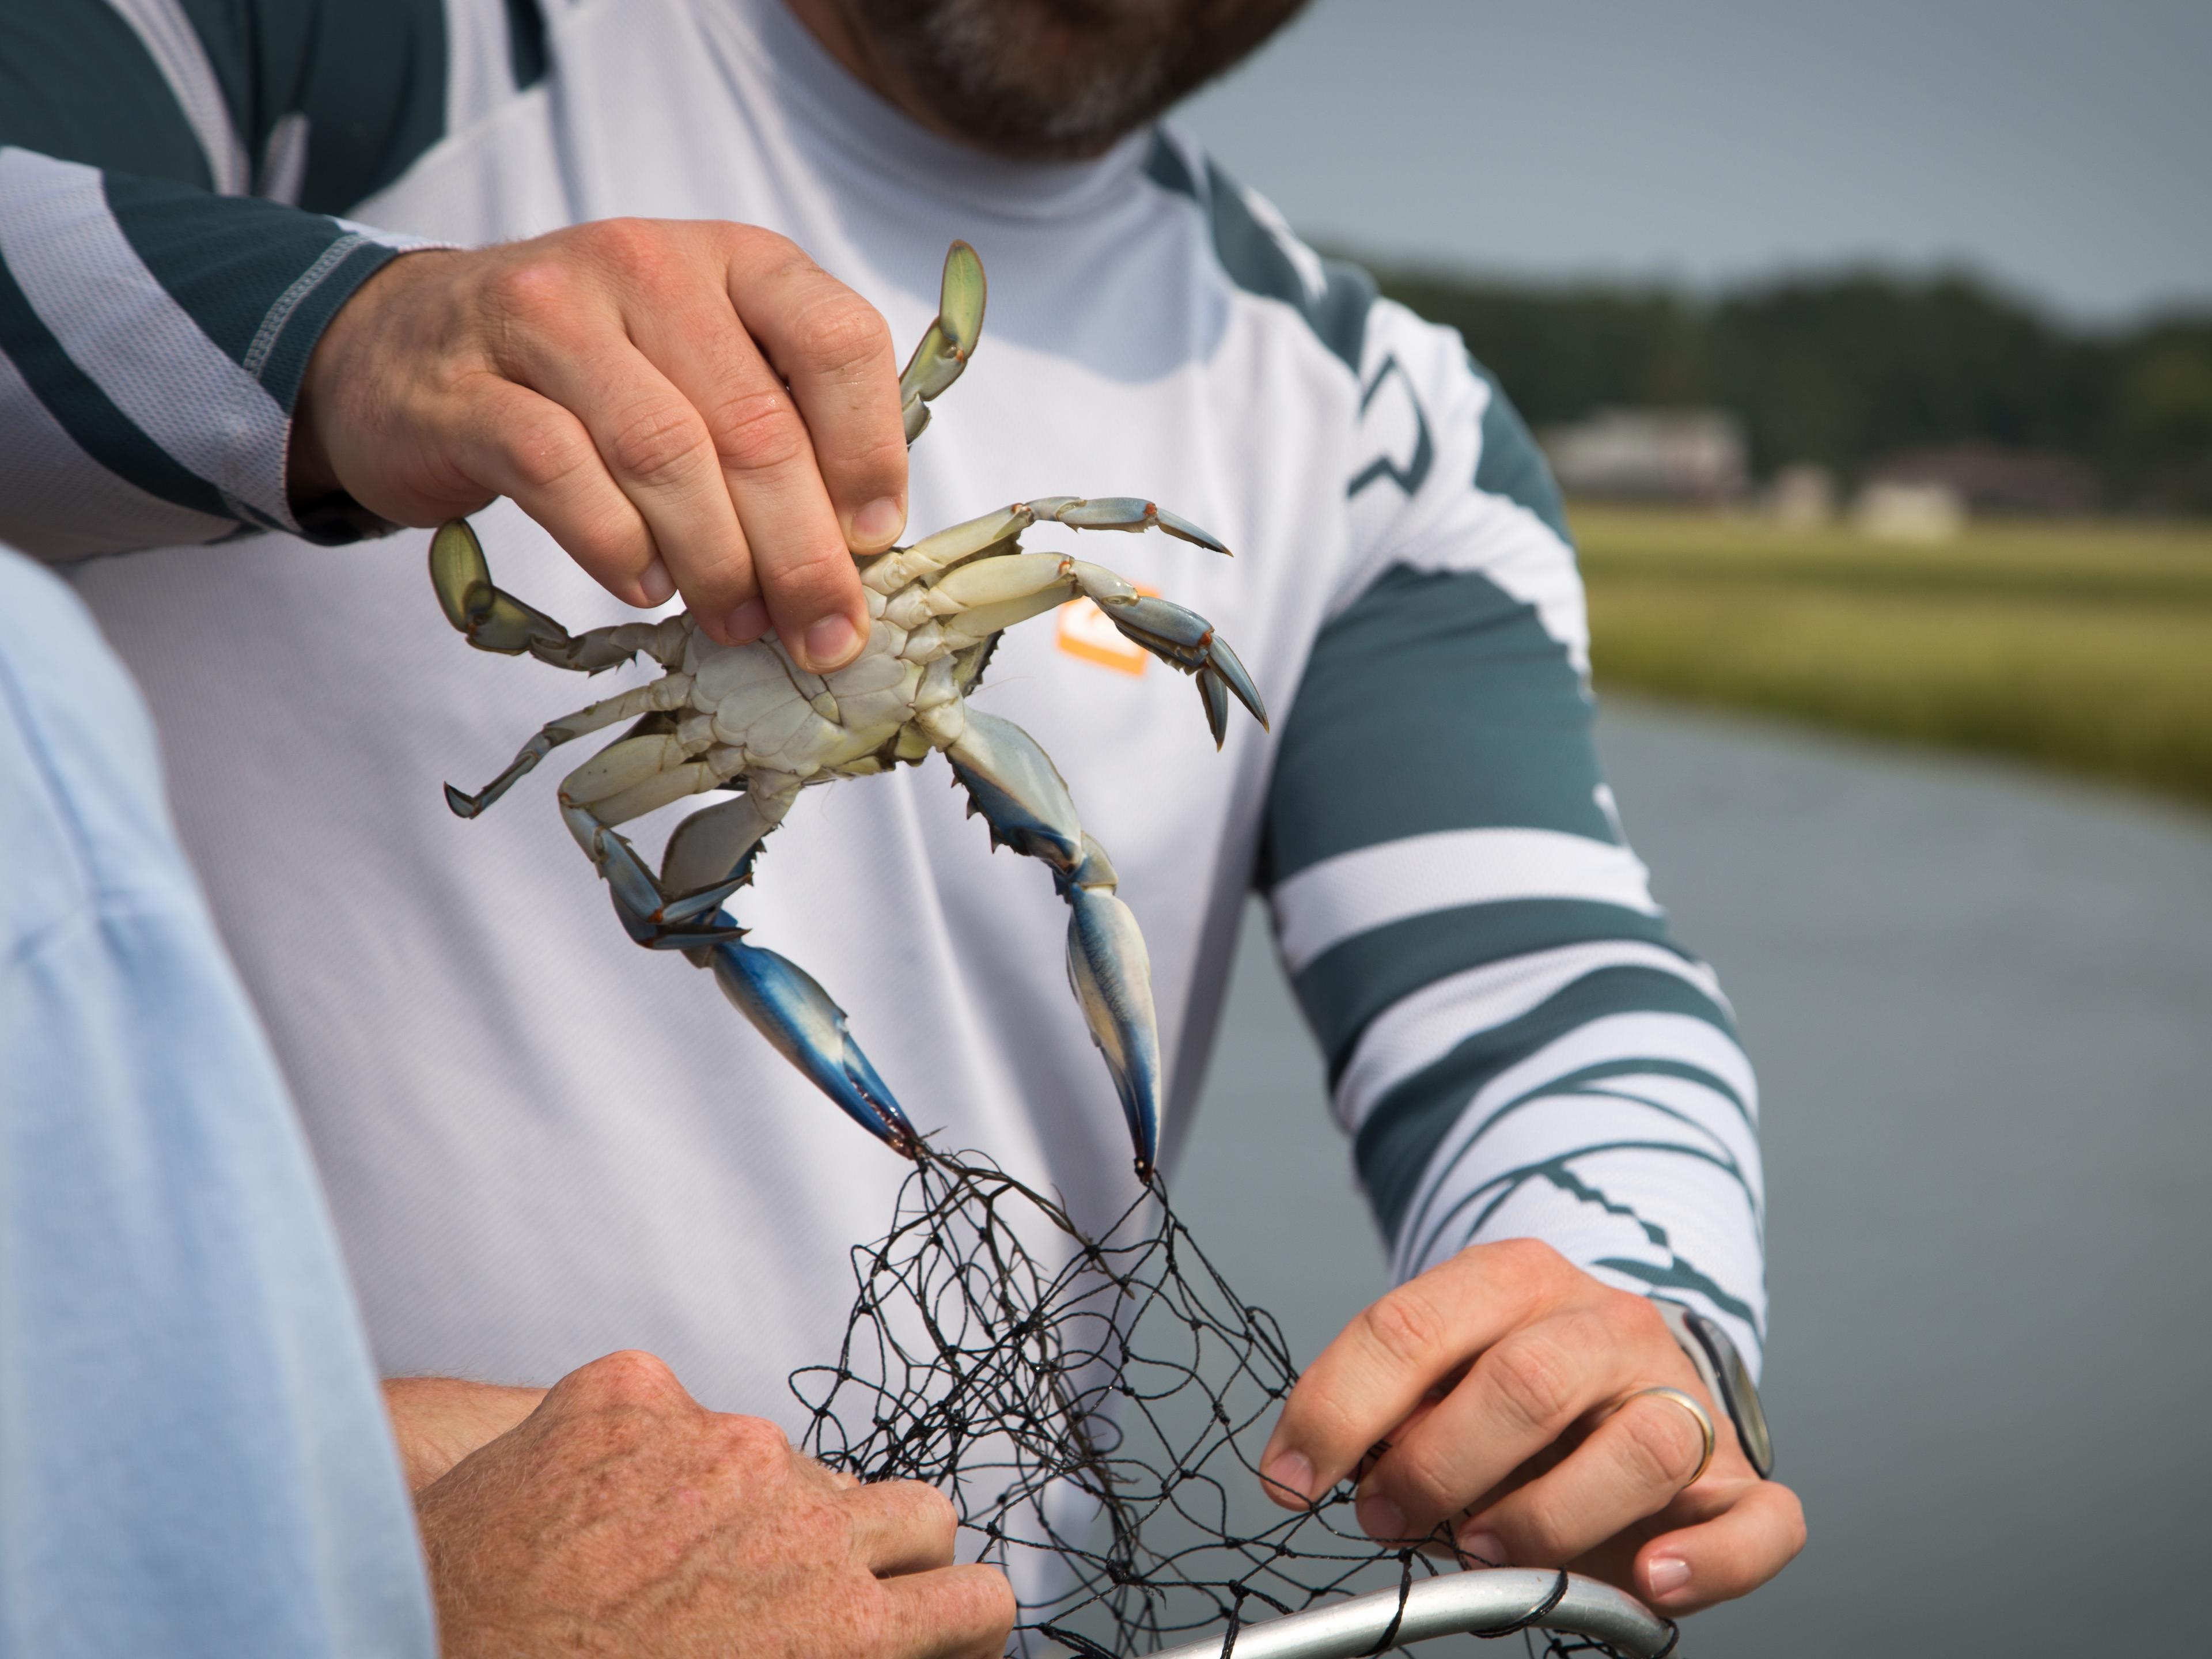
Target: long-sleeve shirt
(541, 1142)
(194, 1459)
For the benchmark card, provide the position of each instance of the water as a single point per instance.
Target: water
(1981, 1005)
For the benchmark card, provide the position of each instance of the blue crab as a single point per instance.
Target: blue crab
(749, 719)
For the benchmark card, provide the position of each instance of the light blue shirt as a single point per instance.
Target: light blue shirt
(194, 1459)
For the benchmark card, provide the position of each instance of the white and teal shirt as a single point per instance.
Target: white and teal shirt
(541, 1143)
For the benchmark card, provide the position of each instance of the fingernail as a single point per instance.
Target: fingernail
(1666, 1574)
(656, 584)
(746, 623)
(830, 643)
(877, 523)
(1485, 1548)
(1383, 1519)
(1289, 1477)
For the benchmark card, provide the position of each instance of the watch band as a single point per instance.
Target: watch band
(1726, 1377)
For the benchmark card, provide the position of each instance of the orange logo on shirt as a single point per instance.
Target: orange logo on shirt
(1085, 632)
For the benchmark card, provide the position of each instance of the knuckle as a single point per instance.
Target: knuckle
(538, 286)
(1534, 1378)
(994, 1605)
(1533, 1259)
(1542, 1532)
(1660, 1445)
(754, 1442)
(626, 244)
(1793, 1526)
(769, 248)
(631, 1377)
(841, 330)
(757, 430)
(1628, 1312)
(546, 454)
(1424, 1477)
(656, 443)
(932, 1511)
(1404, 1326)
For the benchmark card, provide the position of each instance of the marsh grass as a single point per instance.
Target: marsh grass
(2087, 647)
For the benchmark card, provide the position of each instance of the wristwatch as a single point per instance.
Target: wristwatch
(1726, 1377)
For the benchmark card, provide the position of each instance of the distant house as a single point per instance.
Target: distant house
(1652, 454)
(1990, 479)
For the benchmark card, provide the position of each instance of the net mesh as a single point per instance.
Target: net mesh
(1095, 1404)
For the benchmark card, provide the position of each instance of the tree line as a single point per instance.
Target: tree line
(1847, 369)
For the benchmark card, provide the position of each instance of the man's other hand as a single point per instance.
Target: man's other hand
(623, 1517)
(438, 1421)
(1502, 1381)
(688, 406)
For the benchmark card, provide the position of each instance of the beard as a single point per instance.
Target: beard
(1063, 79)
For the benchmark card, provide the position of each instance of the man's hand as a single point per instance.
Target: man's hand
(688, 407)
(1502, 1381)
(438, 1421)
(623, 1517)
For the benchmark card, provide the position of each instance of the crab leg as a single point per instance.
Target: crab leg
(1187, 640)
(796, 1015)
(894, 569)
(943, 354)
(662, 696)
(980, 598)
(494, 620)
(1022, 796)
(718, 846)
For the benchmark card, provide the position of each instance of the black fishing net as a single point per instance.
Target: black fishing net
(1095, 1404)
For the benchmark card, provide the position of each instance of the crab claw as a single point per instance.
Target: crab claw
(1186, 639)
(944, 352)
(796, 1015)
(492, 620)
(683, 923)
(1111, 974)
(1131, 512)
(1021, 795)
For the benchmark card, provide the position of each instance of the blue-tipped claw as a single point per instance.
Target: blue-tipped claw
(1110, 973)
(685, 923)
(1123, 513)
(796, 1015)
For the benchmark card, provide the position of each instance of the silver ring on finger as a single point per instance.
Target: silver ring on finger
(1676, 1397)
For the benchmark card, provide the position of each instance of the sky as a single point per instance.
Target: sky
(2063, 149)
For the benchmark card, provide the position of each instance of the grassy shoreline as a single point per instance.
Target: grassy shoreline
(2083, 647)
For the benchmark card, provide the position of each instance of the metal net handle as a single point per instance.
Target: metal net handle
(1486, 1601)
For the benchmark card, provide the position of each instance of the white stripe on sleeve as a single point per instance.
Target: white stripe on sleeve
(137, 343)
(1343, 896)
(1646, 1037)
(1597, 1205)
(1456, 527)
(58, 502)
(1422, 1027)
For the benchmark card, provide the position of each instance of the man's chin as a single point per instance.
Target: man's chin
(1033, 82)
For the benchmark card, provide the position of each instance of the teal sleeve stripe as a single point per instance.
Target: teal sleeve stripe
(78, 83)
(90, 418)
(1349, 984)
(369, 77)
(525, 42)
(261, 280)
(1680, 1275)
(1492, 1195)
(297, 322)
(1588, 1079)
(1436, 701)
(1256, 261)
(1510, 463)
(1402, 1132)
